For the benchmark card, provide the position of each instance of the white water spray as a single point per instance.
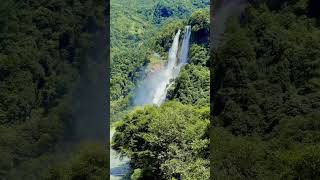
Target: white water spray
(185, 45)
(167, 74)
(153, 90)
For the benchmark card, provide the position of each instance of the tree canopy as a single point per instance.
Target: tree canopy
(170, 141)
(266, 94)
(44, 48)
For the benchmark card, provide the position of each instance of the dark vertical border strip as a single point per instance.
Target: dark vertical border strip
(215, 4)
(108, 70)
(221, 11)
(212, 7)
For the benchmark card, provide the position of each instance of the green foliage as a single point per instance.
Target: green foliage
(198, 55)
(236, 157)
(266, 94)
(301, 163)
(135, 36)
(142, 174)
(170, 141)
(130, 22)
(166, 9)
(44, 46)
(192, 86)
(126, 68)
(163, 39)
(137, 174)
(139, 30)
(200, 20)
(200, 23)
(89, 162)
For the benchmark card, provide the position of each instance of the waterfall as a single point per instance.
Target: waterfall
(168, 73)
(153, 89)
(185, 46)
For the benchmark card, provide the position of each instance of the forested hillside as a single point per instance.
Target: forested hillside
(170, 141)
(266, 93)
(139, 33)
(46, 48)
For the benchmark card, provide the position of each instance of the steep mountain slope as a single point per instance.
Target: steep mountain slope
(135, 40)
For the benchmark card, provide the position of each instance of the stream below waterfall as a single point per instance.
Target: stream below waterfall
(119, 167)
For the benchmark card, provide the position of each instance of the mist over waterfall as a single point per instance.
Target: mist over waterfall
(153, 89)
(163, 77)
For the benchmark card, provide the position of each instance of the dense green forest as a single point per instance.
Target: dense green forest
(46, 48)
(266, 98)
(138, 32)
(170, 141)
(265, 113)
(265, 120)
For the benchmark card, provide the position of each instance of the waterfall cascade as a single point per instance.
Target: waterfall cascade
(168, 73)
(185, 46)
(153, 90)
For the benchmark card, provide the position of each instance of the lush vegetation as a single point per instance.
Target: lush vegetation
(266, 90)
(265, 113)
(266, 97)
(170, 141)
(139, 33)
(44, 48)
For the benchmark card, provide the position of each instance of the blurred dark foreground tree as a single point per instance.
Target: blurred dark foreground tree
(46, 49)
(267, 94)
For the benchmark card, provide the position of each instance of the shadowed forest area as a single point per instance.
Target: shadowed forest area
(51, 56)
(266, 96)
